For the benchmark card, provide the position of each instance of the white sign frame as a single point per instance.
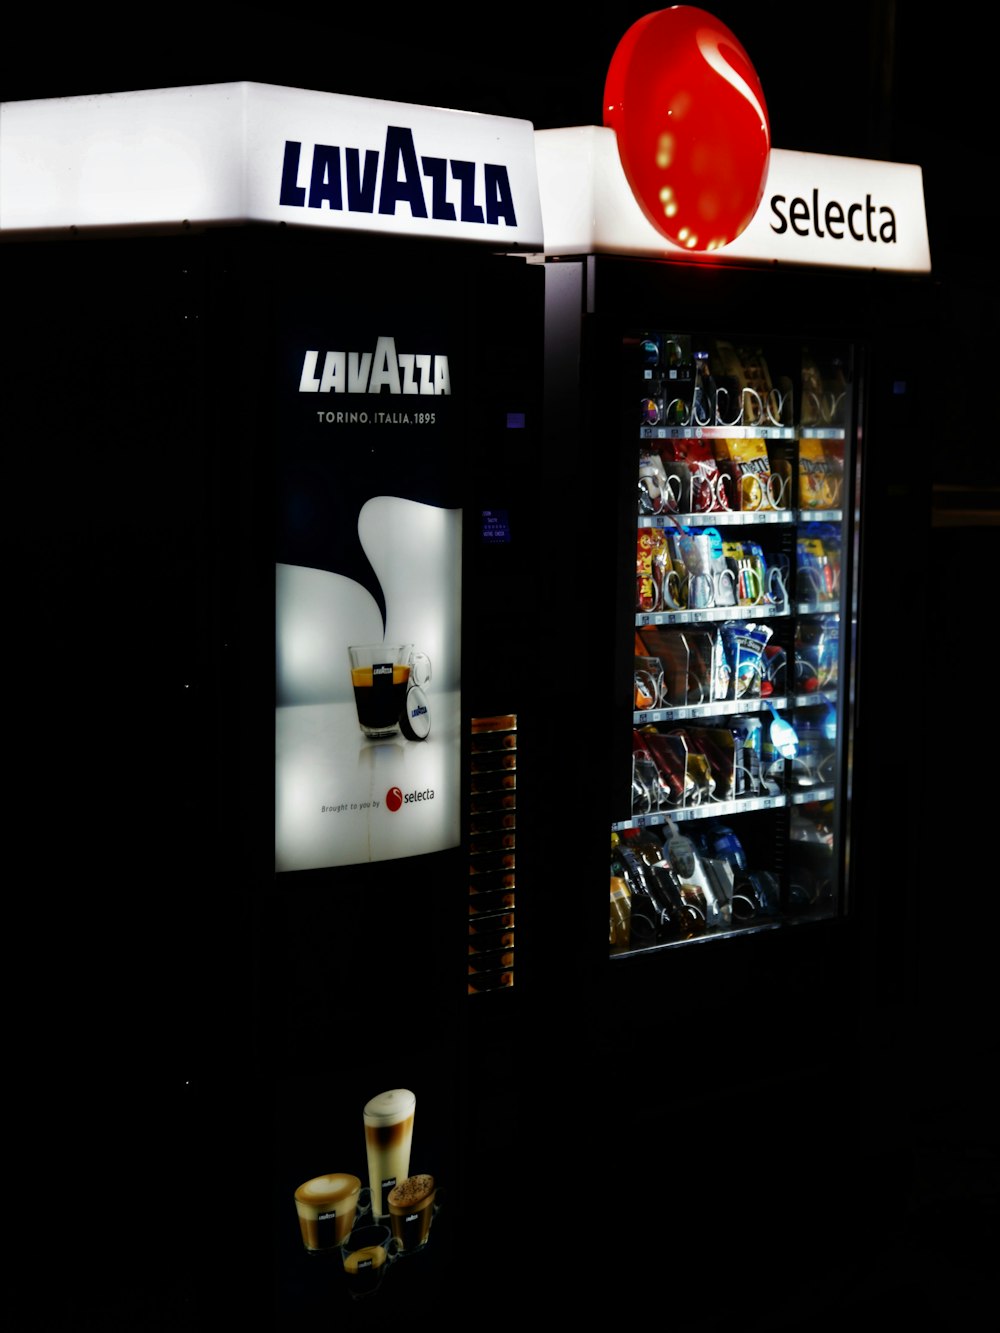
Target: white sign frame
(215, 154)
(588, 208)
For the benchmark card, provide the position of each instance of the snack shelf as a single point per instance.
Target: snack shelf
(755, 926)
(720, 708)
(718, 518)
(811, 700)
(715, 613)
(728, 433)
(715, 809)
(742, 433)
(820, 515)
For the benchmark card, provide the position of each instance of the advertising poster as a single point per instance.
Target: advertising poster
(364, 1199)
(368, 569)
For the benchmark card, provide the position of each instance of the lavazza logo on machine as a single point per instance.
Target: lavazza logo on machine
(423, 373)
(342, 179)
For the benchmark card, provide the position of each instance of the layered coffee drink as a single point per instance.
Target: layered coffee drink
(326, 1206)
(411, 1210)
(388, 1135)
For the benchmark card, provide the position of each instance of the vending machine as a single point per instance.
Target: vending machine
(455, 534)
(732, 434)
(281, 461)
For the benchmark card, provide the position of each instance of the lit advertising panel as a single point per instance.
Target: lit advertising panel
(368, 574)
(816, 209)
(169, 158)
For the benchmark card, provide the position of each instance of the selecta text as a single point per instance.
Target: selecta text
(833, 219)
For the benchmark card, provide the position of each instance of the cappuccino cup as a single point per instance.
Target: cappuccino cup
(388, 1135)
(411, 1211)
(326, 1206)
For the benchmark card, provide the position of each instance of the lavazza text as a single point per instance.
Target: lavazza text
(367, 372)
(341, 179)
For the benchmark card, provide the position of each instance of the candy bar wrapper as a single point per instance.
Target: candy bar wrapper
(749, 467)
(652, 560)
(821, 473)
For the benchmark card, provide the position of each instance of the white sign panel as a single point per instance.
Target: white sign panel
(373, 401)
(250, 152)
(816, 209)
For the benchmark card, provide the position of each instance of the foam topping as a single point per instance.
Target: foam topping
(328, 1189)
(411, 1191)
(389, 1108)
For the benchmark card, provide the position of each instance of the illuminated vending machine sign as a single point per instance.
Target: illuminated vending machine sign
(183, 158)
(369, 525)
(369, 562)
(368, 588)
(684, 168)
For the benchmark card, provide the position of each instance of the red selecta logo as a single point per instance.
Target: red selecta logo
(693, 131)
(394, 798)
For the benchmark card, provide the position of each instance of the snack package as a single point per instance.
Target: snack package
(817, 652)
(643, 854)
(744, 644)
(699, 771)
(654, 495)
(674, 460)
(620, 918)
(708, 493)
(821, 473)
(773, 583)
(748, 738)
(717, 747)
(651, 411)
(745, 563)
(652, 566)
(648, 687)
(833, 451)
(670, 754)
(825, 397)
(704, 393)
(774, 677)
(757, 383)
(748, 395)
(818, 564)
(695, 563)
(722, 675)
(748, 465)
(811, 392)
(670, 649)
(650, 792)
(700, 890)
(676, 356)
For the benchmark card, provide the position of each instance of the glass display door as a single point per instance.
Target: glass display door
(742, 654)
